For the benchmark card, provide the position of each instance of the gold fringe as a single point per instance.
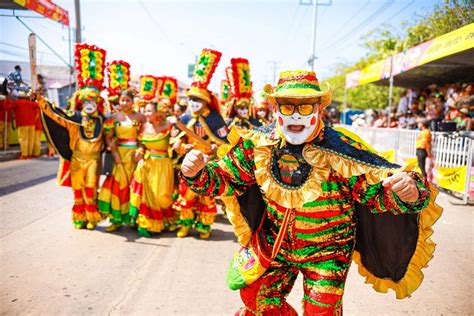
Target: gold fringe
(241, 229)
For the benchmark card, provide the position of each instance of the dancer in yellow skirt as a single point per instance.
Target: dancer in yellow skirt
(153, 180)
(121, 132)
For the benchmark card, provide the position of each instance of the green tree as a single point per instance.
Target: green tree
(382, 42)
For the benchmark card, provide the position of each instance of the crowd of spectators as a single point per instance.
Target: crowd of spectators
(445, 108)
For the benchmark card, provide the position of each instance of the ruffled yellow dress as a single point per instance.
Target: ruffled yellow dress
(152, 185)
(114, 196)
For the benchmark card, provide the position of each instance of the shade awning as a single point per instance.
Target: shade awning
(447, 58)
(46, 8)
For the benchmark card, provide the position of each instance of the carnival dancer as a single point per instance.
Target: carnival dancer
(118, 75)
(152, 184)
(205, 130)
(25, 111)
(239, 108)
(78, 135)
(179, 109)
(305, 189)
(121, 138)
(262, 110)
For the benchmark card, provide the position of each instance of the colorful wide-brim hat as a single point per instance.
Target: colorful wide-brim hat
(298, 84)
(200, 93)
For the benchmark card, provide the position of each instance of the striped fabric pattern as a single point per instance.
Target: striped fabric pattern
(320, 237)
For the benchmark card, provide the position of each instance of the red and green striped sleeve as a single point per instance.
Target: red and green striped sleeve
(231, 175)
(380, 199)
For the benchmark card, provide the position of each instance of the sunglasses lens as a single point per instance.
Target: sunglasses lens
(305, 109)
(287, 109)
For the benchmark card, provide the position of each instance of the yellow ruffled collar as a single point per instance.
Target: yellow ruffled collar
(321, 160)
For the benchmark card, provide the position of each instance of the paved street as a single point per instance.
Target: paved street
(49, 268)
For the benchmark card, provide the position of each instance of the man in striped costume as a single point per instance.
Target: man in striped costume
(318, 186)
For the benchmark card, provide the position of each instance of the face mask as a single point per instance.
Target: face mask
(297, 128)
(195, 106)
(89, 107)
(262, 113)
(243, 113)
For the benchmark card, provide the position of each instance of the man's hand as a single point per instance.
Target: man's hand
(403, 186)
(117, 158)
(188, 147)
(138, 156)
(193, 162)
(214, 148)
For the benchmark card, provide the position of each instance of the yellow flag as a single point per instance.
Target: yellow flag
(389, 155)
(451, 178)
(412, 164)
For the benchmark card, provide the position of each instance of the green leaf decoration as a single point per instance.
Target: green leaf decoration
(246, 77)
(202, 65)
(167, 90)
(148, 85)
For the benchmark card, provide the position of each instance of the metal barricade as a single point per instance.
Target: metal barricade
(448, 149)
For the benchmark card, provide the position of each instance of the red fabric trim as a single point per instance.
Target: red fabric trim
(323, 214)
(168, 213)
(90, 192)
(297, 78)
(91, 208)
(182, 187)
(323, 227)
(136, 187)
(150, 213)
(326, 298)
(205, 209)
(79, 208)
(123, 194)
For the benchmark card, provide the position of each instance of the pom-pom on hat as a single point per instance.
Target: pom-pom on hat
(169, 89)
(90, 67)
(241, 85)
(118, 75)
(148, 87)
(225, 90)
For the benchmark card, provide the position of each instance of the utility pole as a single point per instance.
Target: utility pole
(314, 4)
(312, 58)
(77, 7)
(275, 65)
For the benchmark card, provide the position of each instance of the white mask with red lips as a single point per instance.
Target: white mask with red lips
(242, 112)
(262, 113)
(297, 128)
(89, 107)
(195, 106)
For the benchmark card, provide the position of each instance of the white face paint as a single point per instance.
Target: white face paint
(262, 113)
(89, 107)
(195, 106)
(297, 128)
(243, 112)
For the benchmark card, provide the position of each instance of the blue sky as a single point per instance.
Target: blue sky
(163, 37)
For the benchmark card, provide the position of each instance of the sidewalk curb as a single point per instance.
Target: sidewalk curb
(14, 152)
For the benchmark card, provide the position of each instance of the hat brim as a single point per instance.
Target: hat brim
(199, 93)
(325, 95)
